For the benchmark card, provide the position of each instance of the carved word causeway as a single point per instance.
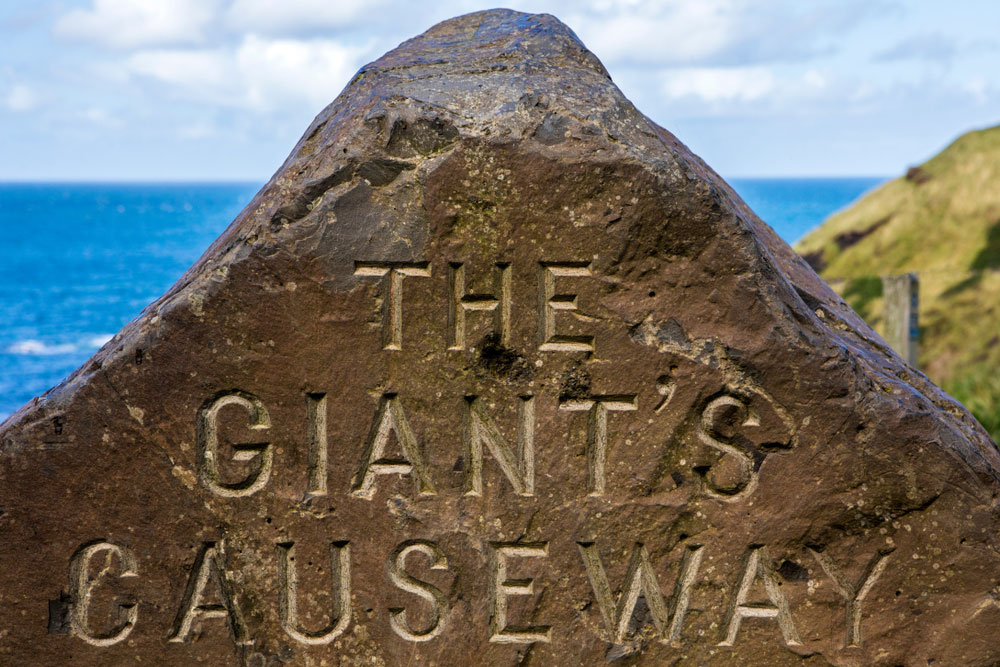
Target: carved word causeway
(210, 578)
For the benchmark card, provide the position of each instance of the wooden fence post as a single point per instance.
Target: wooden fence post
(901, 294)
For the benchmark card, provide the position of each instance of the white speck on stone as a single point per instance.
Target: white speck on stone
(137, 413)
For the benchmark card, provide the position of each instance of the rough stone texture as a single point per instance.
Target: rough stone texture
(772, 431)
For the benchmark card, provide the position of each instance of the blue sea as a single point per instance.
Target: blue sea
(81, 260)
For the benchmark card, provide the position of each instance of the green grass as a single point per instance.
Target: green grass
(863, 292)
(944, 224)
(977, 390)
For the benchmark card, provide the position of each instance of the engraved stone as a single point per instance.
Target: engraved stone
(495, 371)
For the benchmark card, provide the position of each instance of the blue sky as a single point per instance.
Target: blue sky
(222, 89)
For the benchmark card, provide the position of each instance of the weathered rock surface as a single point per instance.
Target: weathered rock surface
(494, 349)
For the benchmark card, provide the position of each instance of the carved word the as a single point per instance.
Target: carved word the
(460, 302)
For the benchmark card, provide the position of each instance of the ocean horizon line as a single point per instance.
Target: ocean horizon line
(262, 181)
(129, 182)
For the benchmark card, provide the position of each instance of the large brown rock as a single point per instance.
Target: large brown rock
(494, 349)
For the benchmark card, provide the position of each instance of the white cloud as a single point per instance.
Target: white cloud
(196, 69)
(815, 79)
(21, 98)
(313, 71)
(259, 74)
(197, 130)
(102, 117)
(658, 34)
(754, 91)
(720, 84)
(978, 88)
(289, 17)
(128, 24)
(662, 33)
(934, 47)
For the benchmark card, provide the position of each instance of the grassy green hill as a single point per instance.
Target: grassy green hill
(941, 220)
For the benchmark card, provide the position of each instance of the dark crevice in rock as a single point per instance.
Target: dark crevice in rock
(552, 130)
(299, 206)
(575, 383)
(422, 136)
(502, 361)
(382, 171)
(791, 571)
(812, 302)
(59, 610)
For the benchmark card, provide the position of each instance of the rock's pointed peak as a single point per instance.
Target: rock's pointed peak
(490, 38)
(494, 78)
(496, 74)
